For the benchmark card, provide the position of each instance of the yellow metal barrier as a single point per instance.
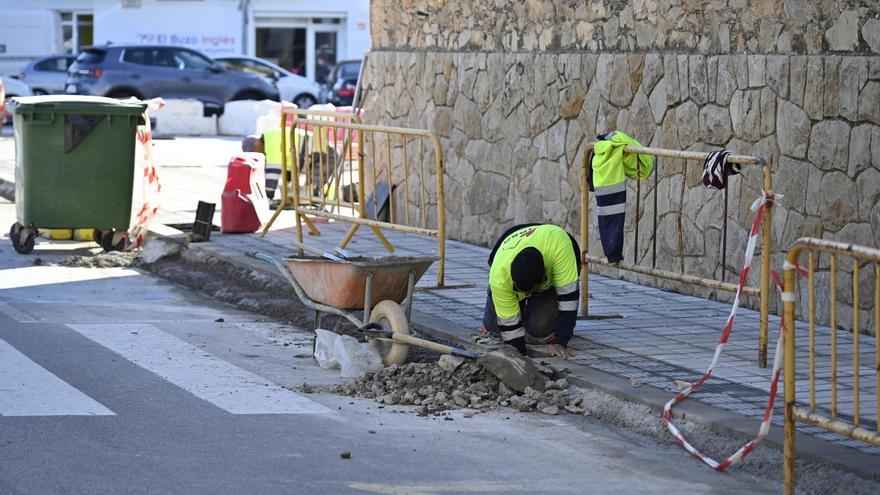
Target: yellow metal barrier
(833, 421)
(762, 292)
(346, 171)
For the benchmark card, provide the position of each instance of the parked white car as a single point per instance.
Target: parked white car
(297, 89)
(11, 88)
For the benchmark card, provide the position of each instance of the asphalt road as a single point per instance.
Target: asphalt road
(113, 381)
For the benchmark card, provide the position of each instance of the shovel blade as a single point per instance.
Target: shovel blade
(513, 369)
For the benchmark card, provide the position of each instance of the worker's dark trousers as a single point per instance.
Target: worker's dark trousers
(538, 312)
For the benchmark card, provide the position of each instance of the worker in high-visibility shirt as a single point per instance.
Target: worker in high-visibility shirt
(269, 143)
(533, 288)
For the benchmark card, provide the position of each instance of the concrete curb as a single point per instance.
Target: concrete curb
(716, 419)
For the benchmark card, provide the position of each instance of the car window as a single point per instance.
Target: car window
(185, 59)
(245, 65)
(349, 71)
(157, 57)
(92, 56)
(57, 64)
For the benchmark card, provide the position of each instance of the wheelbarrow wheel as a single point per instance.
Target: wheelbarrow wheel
(390, 315)
(22, 245)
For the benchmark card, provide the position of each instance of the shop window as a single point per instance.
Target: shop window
(77, 29)
(283, 46)
(325, 54)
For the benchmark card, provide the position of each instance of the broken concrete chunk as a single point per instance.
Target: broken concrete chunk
(449, 362)
(515, 370)
(551, 410)
(560, 384)
(158, 248)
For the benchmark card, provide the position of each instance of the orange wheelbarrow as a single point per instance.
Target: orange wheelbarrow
(330, 284)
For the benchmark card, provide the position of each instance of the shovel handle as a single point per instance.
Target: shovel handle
(427, 344)
(315, 251)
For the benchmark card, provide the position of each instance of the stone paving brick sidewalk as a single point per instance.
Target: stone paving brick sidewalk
(661, 336)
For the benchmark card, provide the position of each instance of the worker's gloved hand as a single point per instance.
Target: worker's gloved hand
(519, 343)
(558, 350)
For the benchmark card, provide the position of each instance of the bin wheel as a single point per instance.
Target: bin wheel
(113, 241)
(23, 238)
(97, 236)
(390, 315)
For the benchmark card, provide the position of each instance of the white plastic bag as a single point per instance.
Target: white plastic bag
(324, 343)
(355, 358)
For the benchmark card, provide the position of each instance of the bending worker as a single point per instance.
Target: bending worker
(533, 288)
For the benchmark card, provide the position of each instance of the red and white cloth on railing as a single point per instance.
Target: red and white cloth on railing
(758, 207)
(151, 186)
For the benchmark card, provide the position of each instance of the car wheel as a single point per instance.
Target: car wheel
(39, 92)
(304, 101)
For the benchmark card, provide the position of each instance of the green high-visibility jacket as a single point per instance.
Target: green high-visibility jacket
(608, 172)
(612, 166)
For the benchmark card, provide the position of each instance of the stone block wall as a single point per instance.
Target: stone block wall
(517, 89)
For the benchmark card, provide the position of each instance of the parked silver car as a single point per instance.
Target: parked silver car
(148, 71)
(46, 75)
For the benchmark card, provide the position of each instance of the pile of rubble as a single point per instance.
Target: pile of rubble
(438, 387)
(112, 259)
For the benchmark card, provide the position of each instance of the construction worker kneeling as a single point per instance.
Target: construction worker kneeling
(533, 288)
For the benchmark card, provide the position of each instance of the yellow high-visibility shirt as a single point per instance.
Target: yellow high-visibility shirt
(560, 265)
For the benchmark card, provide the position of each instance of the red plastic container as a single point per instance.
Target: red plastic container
(244, 206)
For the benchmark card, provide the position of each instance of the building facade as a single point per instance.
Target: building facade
(304, 37)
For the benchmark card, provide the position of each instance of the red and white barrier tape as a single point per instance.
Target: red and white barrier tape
(151, 185)
(758, 207)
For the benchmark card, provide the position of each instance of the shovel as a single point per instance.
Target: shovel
(374, 330)
(512, 368)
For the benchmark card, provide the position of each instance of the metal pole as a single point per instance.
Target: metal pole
(788, 338)
(441, 211)
(585, 236)
(766, 254)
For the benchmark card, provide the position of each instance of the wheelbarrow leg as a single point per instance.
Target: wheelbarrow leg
(368, 298)
(317, 318)
(410, 285)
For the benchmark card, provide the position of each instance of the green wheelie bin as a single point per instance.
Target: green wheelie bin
(74, 166)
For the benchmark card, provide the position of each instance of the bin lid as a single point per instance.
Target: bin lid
(76, 104)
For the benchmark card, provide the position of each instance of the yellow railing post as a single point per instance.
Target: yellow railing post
(585, 237)
(788, 374)
(766, 241)
(441, 211)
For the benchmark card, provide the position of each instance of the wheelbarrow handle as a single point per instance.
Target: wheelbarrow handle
(264, 257)
(402, 338)
(315, 251)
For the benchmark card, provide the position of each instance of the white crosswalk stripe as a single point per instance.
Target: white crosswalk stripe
(226, 386)
(28, 389)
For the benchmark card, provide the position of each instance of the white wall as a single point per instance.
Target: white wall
(211, 26)
(26, 33)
